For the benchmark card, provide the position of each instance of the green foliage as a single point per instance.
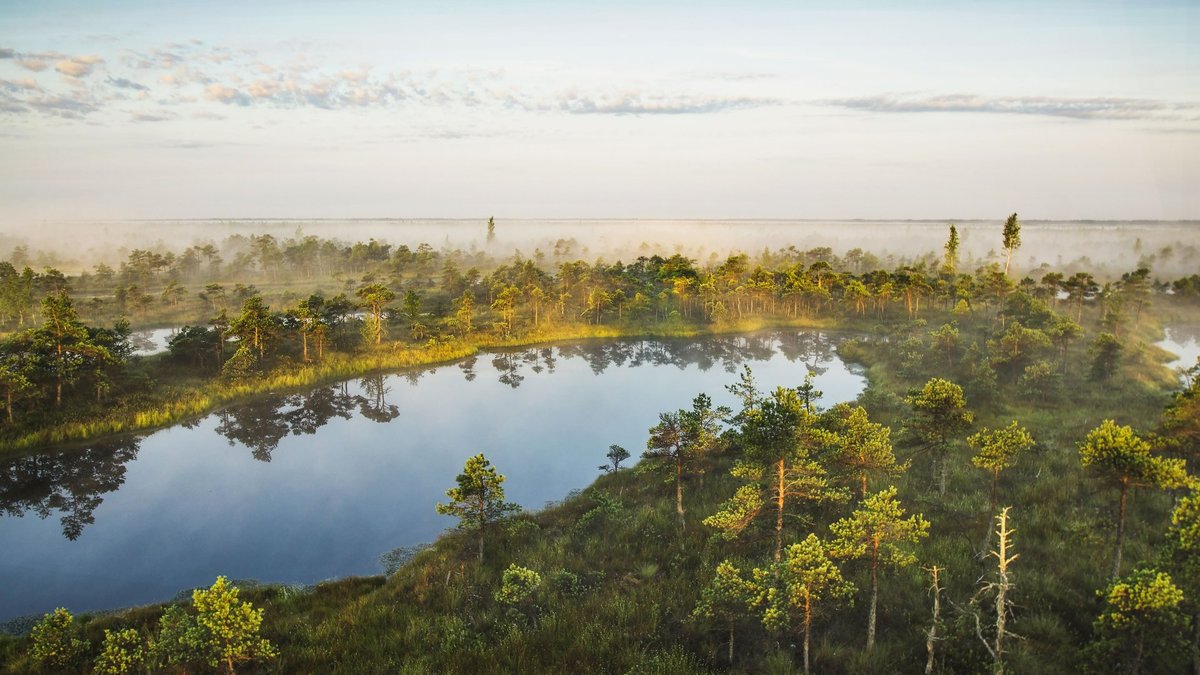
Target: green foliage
(939, 417)
(860, 447)
(738, 512)
(784, 444)
(1040, 381)
(792, 593)
(1124, 461)
(1106, 353)
(255, 328)
(727, 596)
(1185, 523)
(645, 577)
(999, 448)
(518, 586)
(1141, 623)
(1016, 348)
(878, 529)
(1119, 455)
(123, 651)
(229, 627)
(950, 260)
(727, 599)
(879, 532)
(375, 297)
(796, 588)
(1180, 422)
(55, 641)
(684, 437)
(478, 499)
(945, 344)
(616, 454)
(180, 640)
(1012, 238)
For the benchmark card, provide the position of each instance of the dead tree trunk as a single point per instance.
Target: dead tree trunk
(931, 636)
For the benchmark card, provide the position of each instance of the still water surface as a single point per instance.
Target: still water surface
(311, 486)
(1182, 340)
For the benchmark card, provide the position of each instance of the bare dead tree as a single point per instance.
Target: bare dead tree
(931, 635)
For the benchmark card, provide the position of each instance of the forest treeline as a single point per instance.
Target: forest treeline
(68, 370)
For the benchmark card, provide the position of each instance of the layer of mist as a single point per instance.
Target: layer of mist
(1170, 248)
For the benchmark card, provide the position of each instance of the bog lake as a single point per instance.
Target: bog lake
(300, 487)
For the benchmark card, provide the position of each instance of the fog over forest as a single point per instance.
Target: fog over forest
(1169, 248)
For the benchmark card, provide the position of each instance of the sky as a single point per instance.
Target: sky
(619, 109)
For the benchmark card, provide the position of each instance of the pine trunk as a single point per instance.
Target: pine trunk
(1196, 642)
(731, 642)
(779, 514)
(932, 636)
(679, 489)
(807, 630)
(995, 479)
(1116, 570)
(874, 595)
(942, 477)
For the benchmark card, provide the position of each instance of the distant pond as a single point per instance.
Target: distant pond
(1182, 340)
(304, 487)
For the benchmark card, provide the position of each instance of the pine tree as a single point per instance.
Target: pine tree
(939, 416)
(796, 588)
(950, 261)
(478, 500)
(1141, 610)
(726, 599)
(1012, 240)
(998, 450)
(683, 437)
(782, 440)
(878, 530)
(861, 447)
(1123, 459)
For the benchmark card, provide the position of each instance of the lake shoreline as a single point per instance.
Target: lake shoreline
(657, 366)
(217, 395)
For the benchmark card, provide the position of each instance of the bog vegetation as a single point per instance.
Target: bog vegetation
(1015, 491)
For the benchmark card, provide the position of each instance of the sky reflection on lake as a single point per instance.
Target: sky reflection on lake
(303, 487)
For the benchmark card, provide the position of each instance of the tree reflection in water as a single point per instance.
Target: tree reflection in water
(374, 405)
(71, 483)
(260, 425)
(467, 366)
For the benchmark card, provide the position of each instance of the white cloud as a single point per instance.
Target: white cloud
(1096, 108)
(77, 67)
(36, 65)
(223, 94)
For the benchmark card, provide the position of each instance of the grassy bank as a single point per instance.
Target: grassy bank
(171, 403)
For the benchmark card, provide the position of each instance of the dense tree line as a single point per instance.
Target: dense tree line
(411, 296)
